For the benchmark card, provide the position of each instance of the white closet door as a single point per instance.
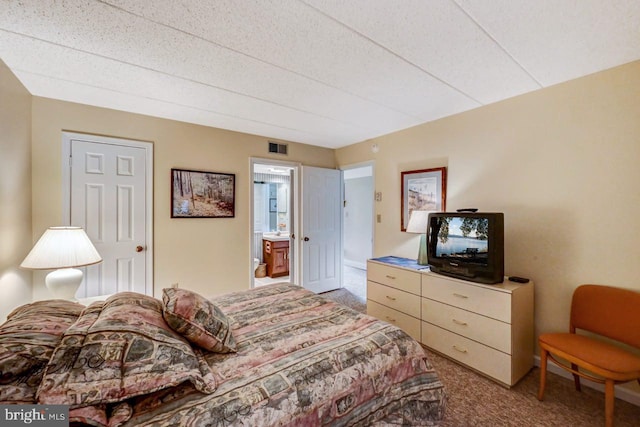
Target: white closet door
(108, 199)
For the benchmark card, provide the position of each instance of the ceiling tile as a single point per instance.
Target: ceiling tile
(323, 72)
(439, 38)
(558, 41)
(295, 37)
(148, 84)
(123, 102)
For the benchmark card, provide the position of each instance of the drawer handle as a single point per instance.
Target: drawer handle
(391, 298)
(391, 277)
(461, 350)
(460, 295)
(459, 322)
(391, 319)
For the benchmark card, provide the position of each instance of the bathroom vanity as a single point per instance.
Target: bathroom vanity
(275, 253)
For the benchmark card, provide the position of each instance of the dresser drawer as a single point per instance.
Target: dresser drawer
(491, 332)
(477, 356)
(395, 277)
(394, 298)
(478, 299)
(405, 322)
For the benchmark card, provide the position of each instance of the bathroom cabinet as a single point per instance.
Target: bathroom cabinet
(275, 254)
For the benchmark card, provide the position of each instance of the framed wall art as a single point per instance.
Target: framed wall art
(422, 190)
(197, 194)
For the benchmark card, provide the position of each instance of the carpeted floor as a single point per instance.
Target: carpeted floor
(343, 296)
(477, 401)
(474, 400)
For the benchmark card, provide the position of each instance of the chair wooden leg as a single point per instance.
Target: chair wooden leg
(543, 372)
(609, 399)
(576, 378)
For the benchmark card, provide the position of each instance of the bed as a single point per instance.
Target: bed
(276, 355)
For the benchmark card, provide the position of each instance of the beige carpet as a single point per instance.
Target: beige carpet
(474, 400)
(477, 401)
(345, 297)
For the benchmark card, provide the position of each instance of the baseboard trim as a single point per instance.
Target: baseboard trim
(355, 264)
(622, 393)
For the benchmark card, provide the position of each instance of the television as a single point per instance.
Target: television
(467, 245)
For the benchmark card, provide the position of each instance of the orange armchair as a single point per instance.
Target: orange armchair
(610, 312)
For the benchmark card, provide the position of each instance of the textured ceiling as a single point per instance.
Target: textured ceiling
(323, 72)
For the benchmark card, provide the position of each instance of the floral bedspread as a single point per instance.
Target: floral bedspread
(302, 360)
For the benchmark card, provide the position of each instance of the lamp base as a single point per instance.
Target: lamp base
(64, 283)
(422, 252)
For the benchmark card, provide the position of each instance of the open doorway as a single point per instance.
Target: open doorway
(273, 220)
(358, 227)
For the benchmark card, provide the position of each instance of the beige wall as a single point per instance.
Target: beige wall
(210, 256)
(562, 163)
(15, 191)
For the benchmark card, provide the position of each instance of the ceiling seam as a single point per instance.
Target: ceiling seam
(356, 126)
(402, 58)
(504, 49)
(165, 102)
(264, 62)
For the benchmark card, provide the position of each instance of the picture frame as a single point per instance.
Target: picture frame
(200, 194)
(424, 190)
(273, 205)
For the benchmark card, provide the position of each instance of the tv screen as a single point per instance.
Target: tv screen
(463, 238)
(469, 246)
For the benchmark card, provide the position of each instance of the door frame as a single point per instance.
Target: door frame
(294, 192)
(67, 137)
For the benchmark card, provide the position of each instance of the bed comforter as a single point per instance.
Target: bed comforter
(300, 360)
(303, 360)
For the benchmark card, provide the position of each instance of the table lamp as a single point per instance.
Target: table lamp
(62, 248)
(418, 221)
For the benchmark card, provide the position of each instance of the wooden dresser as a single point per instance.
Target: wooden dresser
(393, 295)
(488, 328)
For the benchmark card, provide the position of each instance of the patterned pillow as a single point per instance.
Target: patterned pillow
(119, 349)
(198, 320)
(27, 340)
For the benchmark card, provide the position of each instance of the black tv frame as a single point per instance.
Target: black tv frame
(491, 273)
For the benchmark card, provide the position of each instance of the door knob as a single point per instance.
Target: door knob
(306, 239)
(139, 248)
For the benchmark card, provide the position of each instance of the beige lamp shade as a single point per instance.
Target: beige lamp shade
(418, 222)
(62, 247)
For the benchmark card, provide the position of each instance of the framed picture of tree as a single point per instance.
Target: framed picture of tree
(197, 194)
(422, 190)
